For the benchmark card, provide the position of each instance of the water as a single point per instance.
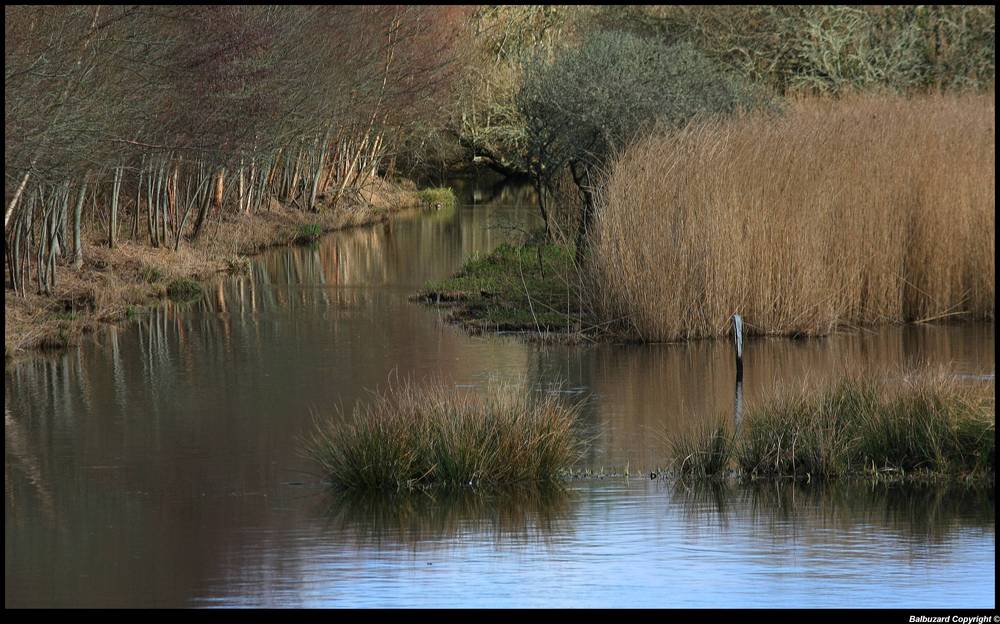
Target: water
(160, 465)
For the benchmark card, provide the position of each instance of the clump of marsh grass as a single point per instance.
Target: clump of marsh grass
(861, 210)
(704, 452)
(927, 425)
(413, 436)
(308, 233)
(183, 289)
(237, 265)
(437, 198)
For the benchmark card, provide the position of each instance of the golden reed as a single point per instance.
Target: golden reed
(862, 210)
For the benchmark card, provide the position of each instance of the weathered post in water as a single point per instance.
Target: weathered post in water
(738, 340)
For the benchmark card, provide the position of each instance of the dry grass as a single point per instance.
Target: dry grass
(413, 436)
(863, 210)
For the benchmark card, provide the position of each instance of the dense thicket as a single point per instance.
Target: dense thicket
(166, 115)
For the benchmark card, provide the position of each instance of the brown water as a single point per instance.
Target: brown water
(160, 465)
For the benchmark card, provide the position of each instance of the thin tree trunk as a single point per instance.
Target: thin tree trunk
(77, 218)
(16, 198)
(113, 217)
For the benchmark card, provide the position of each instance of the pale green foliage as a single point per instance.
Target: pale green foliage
(592, 100)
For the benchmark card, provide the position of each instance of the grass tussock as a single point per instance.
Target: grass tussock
(415, 436)
(928, 425)
(308, 233)
(862, 210)
(438, 198)
(183, 289)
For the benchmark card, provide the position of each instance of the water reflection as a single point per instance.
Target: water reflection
(161, 465)
(641, 393)
(918, 513)
(523, 514)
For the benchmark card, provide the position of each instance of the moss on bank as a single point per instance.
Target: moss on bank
(529, 288)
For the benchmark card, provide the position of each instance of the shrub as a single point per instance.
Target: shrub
(594, 99)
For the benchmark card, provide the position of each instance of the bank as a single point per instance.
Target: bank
(113, 285)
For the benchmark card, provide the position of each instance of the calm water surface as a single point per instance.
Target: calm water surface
(160, 465)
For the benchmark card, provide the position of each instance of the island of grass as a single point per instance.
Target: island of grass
(437, 198)
(924, 427)
(531, 288)
(420, 436)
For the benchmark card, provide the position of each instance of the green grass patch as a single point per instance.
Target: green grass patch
(183, 289)
(308, 233)
(237, 265)
(151, 274)
(926, 426)
(417, 436)
(438, 198)
(65, 315)
(515, 288)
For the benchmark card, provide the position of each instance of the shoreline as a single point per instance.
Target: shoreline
(114, 284)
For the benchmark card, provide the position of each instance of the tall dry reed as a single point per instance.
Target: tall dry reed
(862, 210)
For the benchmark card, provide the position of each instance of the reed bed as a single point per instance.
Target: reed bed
(927, 425)
(414, 436)
(863, 210)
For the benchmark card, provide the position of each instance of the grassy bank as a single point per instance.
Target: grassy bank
(522, 288)
(927, 426)
(113, 283)
(836, 213)
(415, 436)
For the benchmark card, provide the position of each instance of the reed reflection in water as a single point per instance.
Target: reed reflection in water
(520, 514)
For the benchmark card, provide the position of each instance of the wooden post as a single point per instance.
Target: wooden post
(738, 341)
